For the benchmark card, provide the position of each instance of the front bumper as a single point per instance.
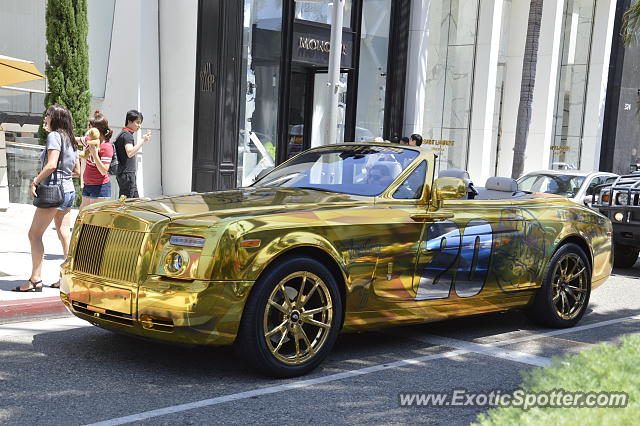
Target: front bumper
(193, 312)
(627, 231)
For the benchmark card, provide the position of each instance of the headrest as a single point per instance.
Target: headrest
(505, 184)
(454, 173)
(393, 167)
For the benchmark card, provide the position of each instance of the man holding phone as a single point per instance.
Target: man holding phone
(126, 150)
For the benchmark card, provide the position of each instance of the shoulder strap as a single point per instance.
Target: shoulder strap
(55, 173)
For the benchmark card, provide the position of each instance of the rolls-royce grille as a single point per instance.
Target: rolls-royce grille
(108, 253)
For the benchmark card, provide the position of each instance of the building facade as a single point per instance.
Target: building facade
(233, 87)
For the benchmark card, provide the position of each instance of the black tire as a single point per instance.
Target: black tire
(269, 354)
(624, 256)
(545, 309)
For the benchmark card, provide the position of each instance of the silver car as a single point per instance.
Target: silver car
(576, 185)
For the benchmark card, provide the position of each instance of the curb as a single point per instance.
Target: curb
(20, 310)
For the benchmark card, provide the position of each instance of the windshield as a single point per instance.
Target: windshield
(358, 170)
(565, 185)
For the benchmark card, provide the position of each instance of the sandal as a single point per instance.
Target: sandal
(55, 285)
(34, 287)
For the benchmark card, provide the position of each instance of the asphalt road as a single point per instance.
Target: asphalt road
(64, 371)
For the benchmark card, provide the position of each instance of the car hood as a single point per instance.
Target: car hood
(242, 202)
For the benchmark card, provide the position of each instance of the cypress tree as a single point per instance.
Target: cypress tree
(67, 66)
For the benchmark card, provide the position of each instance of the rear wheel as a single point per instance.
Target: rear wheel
(565, 291)
(291, 319)
(624, 256)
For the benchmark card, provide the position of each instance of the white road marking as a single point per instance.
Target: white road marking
(32, 328)
(566, 330)
(341, 376)
(490, 350)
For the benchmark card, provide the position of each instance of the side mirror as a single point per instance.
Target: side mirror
(448, 188)
(588, 200)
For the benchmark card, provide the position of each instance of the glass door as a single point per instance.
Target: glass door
(321, 109)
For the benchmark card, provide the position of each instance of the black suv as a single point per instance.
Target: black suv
(620, 202)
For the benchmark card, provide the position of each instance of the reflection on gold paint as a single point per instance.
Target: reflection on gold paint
(374, 243)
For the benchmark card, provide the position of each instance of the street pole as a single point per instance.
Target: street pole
(335, 55)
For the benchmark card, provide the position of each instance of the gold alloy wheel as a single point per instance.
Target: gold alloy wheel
(298, 318)
(569, 290)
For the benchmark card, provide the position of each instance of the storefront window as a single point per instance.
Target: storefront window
(572, 85)
(452, 28)
(322, 12)
(372, 77)
(501, 74)
(261, 52)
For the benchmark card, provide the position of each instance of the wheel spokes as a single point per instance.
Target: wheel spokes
(576, 275)
(303, 334)
(578, 289)
(286, 296)
(297, 342)
(300, 296)
(282, 338)
(312, 312)
(282, 325)
(308, 296)
(316, 323)
(279, 307)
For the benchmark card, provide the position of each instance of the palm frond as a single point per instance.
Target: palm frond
(631, 24)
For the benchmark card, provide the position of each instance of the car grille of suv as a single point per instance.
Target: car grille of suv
(108, 253)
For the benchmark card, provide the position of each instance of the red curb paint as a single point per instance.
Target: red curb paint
(13, 309)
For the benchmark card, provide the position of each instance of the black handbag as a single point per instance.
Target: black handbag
(50, 196)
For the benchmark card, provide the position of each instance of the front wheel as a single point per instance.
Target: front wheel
(624, 256)
(291, 319)
(565, 291)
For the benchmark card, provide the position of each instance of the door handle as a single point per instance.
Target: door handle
(431, 217)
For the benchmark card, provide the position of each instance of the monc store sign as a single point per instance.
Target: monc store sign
(311, 45)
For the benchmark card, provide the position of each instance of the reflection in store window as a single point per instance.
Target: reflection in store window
(572, 83)
(452, 26)
(372, 77)
(322, 12)
(261, 52)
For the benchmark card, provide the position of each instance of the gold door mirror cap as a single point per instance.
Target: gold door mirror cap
(449, 188)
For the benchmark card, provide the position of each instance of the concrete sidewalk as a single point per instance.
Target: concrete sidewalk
(15, 267)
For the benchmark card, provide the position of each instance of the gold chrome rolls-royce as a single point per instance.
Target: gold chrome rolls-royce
(340, 237)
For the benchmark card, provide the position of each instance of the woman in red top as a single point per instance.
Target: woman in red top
(97, 186)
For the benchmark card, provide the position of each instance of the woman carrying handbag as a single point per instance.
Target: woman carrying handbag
(53, 190)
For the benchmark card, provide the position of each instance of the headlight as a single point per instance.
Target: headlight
(176, 262)
(186, 240)
(622, 198)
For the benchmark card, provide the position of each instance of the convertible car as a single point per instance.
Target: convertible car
(338, 238)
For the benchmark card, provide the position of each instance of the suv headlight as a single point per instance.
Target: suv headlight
(622, 198)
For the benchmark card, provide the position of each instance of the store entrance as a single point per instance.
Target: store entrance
(309, 109)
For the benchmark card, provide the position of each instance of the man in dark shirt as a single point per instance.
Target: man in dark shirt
(126, 150)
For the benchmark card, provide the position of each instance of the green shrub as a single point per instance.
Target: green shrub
(67, 67)
(605, 368)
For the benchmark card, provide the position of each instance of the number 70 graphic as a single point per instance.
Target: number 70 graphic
(445, 248)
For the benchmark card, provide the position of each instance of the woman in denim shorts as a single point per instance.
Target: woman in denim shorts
(60, 142)
(97, 185)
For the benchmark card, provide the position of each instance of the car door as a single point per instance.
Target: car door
(398, 246)
(470, 254)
